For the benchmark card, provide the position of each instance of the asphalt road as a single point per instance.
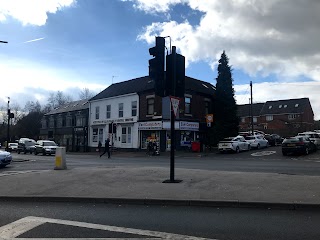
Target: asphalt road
(269, 160)
(99, 220)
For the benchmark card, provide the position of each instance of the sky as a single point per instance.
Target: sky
(68, 45)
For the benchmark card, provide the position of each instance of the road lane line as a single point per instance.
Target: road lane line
(9, 173)
(147, 233)
(18, 227)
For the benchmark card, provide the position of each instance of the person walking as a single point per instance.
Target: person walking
(106, 148)
(99, 147)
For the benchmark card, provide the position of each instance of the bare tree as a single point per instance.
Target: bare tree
(57, 99)
(85, 93)
(32, 106)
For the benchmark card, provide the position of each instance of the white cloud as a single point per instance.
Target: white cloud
(34, 12)
(260, 37)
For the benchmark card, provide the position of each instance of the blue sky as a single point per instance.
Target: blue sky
(90, 43)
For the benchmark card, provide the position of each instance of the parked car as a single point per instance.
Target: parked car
(5, 158)
(45, 147)
(298, 144)
(313, 136)
(273, 139)
(235, 144)
(12, 147)
(257, 141)
(26, 145)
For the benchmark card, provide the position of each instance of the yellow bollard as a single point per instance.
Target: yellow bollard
(60, 159)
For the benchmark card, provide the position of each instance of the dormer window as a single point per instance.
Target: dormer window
(270, 106)
(285, 106)
(280, 106)
(297, 105)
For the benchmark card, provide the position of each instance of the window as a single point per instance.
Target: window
(285, 106)
(269, 117)
(255, 119)
(187, 105)
(206, 107)
(120, 110)
(97, 135)
(292, 116)
(134, 108)
(126, 135)
(297, 105)
(108, 111)
(97, 112)
(270, 107)
(79, 121)
(150, 106)
(243, 119)
(280, 106)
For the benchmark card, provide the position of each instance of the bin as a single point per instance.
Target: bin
(195, 146)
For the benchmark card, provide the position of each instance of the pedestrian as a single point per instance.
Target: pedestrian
(99, 146)
(106, 148)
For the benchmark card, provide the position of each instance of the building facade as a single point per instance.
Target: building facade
(67, 125)
(284, 117)
(131, 115)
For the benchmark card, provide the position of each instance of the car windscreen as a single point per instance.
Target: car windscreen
(49, 144)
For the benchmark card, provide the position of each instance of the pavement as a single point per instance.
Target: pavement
(145, 186)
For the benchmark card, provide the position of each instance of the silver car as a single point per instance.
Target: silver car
(5, 158)
(313, 136)
(257, 141)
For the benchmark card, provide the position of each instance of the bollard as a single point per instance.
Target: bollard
(60, 161)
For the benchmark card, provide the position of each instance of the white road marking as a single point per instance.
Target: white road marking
(9, 173)
(23, 225)
(263, 153)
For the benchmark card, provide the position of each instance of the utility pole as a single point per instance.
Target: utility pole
(251, 108)
(8, 127)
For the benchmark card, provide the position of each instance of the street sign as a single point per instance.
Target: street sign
(209, 118)
(175, 104)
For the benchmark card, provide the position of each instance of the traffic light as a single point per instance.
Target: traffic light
(156, 66)
(175, 70)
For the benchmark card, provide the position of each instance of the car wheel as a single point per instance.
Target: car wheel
(43, 153)
(237, 149)
(258, 146)
(284, 153)
(249, 147)
(18, 152)
(35, 152)
(306, 151)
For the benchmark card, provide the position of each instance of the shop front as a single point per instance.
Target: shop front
(159, 132)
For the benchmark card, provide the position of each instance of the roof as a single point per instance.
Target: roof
(70, 107)
(285, 106)
(245, 109)
(143, 84)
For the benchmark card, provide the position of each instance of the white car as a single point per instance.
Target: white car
(257, 141)
(235, 144)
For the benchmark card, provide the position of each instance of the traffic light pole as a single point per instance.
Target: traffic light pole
(172, 121)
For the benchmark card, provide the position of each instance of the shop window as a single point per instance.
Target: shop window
(134, 108)
(108, 115)
(97, 112)
(126, 135)
(187, 105)
(255, 119)
(95, 135)
(150, 105)
(120, 110)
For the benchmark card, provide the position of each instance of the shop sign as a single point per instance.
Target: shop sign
(120, 120)
(191, 126)
(157, 125)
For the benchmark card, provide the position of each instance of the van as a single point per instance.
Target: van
(26, 145)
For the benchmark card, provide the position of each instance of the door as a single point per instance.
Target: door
(126, 137)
